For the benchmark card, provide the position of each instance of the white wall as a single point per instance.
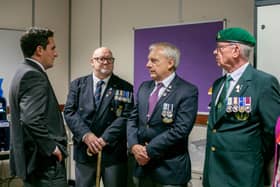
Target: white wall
(18, 14)
(84, 35)
(54, 14)
(268, 40)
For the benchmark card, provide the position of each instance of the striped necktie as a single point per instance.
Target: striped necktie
(97, 94)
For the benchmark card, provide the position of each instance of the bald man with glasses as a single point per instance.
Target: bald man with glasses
(96, 111)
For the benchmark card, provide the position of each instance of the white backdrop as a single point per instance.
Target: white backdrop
(268, 40)
(10, 56)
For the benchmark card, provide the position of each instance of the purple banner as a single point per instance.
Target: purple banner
(196, 43)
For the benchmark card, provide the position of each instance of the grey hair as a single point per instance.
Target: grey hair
(246, 50)
(169, 50)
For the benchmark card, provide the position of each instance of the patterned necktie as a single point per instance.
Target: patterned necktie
(222, 99)
(97, 94)
(154, 98)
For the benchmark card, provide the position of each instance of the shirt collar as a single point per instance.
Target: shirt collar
(237, 73)
(95, 79)
(167, 80)
(36, 62)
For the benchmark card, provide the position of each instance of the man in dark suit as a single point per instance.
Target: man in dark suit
(244, 109)
(97, 117)
(38, 137)
(158, 138)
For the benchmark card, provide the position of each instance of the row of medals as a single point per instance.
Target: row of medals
(122, 96)
(240, 106)
(167, 113)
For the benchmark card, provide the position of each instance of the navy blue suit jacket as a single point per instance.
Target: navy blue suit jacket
(167, 141)
(108, 121)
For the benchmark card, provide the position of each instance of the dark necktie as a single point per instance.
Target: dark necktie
(97, 94)
(222, 99)
(154, 98)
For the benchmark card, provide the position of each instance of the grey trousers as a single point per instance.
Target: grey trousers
(112, 176)
(53, 175)
(147, 182)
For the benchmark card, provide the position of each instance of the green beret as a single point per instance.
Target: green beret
(237, 35)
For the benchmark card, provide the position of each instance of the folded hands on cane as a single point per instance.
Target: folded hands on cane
(94, 143)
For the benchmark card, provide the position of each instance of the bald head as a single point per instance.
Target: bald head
(102, 62)
(100, 50)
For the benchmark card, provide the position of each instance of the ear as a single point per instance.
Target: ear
(236, 52)
(171, 64)
(91, 61)
(39, 51)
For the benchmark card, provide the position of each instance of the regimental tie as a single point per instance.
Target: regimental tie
(97, 94)
(153, 99)
(222, 99)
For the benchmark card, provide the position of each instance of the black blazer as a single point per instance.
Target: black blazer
(166, 132)
(37, 125)
(108, 121)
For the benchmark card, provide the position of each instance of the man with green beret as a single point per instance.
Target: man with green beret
(244, 107)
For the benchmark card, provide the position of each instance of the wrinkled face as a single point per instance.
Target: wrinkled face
(225, 54)
(102, 62)
(159, 65)
(48, 55)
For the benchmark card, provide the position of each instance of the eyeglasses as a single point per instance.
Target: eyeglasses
(223, 46)
(103, 59)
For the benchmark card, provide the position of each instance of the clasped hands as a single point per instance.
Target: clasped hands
(94, 143)
(140, 154)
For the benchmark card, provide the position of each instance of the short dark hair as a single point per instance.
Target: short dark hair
(34, 37)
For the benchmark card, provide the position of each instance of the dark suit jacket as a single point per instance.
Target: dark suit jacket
(37, 125)
(108, 121)
(167, 140)
(237, 150)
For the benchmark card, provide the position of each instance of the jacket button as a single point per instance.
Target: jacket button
(214, 130)
(213, 148)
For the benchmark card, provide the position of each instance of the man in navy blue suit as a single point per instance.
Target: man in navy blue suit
(158, 138)
(96, 114)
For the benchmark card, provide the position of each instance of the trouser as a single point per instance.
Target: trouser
(147, 182)
(112, 176)
(53, 175)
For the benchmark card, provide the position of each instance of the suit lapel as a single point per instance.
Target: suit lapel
(215, 92)
(243, 83)
(37, 67)
(88, 90)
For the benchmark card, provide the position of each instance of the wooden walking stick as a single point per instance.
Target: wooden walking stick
(98, 169)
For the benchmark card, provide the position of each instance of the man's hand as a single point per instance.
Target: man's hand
(140, 154)
(101, 142)
(94, 143)
(57, 153)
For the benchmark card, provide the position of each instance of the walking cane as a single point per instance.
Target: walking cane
(98, 166)
(98, 169)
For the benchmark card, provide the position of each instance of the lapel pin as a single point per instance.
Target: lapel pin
(237, 88)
